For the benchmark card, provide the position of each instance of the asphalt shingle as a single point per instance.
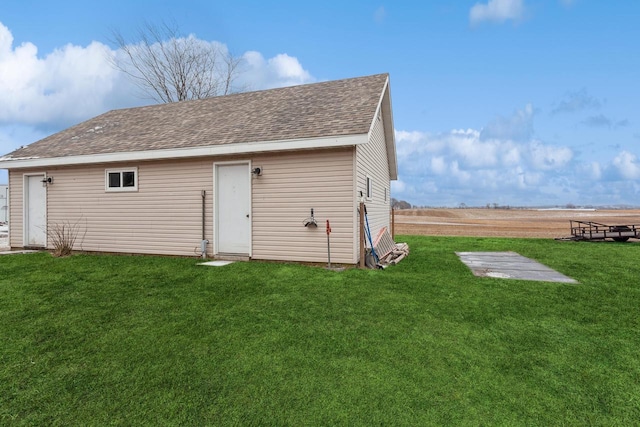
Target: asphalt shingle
(334, 108)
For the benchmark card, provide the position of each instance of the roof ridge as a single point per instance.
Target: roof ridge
(257, 91)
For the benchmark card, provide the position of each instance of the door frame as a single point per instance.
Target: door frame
(216, 246)
(25, 208)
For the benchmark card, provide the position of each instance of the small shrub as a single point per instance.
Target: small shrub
(63, 236)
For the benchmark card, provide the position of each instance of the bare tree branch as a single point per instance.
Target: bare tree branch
(168, 66)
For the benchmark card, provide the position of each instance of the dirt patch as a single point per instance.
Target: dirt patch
(504, 222)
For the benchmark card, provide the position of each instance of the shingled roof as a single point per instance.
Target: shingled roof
(327, 109)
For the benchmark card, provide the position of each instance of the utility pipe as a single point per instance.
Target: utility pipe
(203, 242)
(328, 245)
(362, 243)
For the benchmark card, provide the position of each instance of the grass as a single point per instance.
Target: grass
(124, 340)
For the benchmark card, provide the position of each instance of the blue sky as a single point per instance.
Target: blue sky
(514, 102)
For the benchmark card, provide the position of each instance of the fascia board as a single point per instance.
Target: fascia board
(387, 118)
(181, 153)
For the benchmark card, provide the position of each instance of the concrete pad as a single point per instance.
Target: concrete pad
(218, 263)
(10, 252)
(510, 265)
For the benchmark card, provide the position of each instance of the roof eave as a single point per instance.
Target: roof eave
(387, 116)
(213, 150)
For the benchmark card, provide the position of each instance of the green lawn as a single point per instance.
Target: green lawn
(124, 340)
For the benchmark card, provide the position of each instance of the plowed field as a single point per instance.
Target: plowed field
(504, 222)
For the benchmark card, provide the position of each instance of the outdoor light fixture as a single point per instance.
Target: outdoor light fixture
(310, 222)
(47, 180)
(256, 171)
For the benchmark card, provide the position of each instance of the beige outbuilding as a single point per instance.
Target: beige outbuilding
(243, 172)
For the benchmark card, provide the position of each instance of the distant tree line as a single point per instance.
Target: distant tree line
(400, 204)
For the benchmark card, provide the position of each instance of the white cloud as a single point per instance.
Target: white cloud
(461, 175)
(398, 186)
(281, 70)
(438, 165)
(416, 142)
(511, 156)
(474, 152)
(460, 166)
(517, 127)
(497, 11)
(627, 165)
(413, 137)
(547, 157)
(63, 87)
(591, 170)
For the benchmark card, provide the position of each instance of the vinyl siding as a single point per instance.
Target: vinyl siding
(164, 216)
(290, 186)
(371, 161)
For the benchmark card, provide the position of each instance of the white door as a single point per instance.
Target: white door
(233, 208)
(35, 211)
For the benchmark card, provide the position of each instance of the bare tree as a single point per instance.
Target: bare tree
(169, 66)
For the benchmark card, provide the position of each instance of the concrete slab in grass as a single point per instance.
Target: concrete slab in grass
(510, 265)
(217, 263)
(7, 251)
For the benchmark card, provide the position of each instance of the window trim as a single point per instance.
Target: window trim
(119, 189)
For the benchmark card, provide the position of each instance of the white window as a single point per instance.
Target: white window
(121, 179)
(369, 188)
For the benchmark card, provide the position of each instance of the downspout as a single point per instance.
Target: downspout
(203, 242)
